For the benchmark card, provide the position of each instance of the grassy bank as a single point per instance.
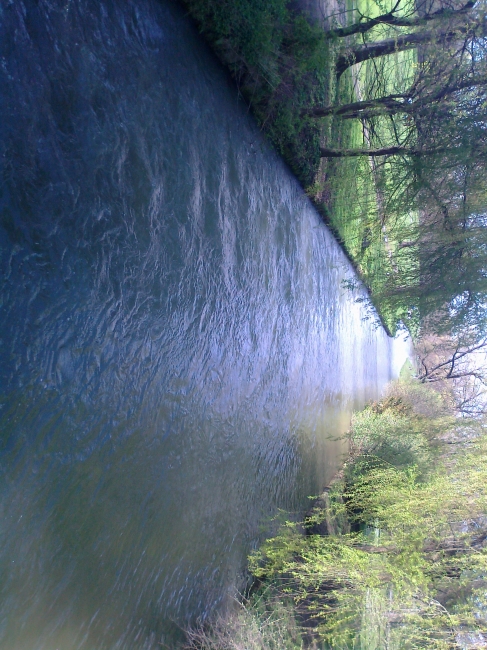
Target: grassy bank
(283, 64)
(392, 556)
(370, 226)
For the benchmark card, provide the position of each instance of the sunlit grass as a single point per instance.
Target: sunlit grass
(364, 190)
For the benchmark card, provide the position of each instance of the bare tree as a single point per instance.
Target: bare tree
(441, 35)
(395, 19)
(409, 102)
(457, 365)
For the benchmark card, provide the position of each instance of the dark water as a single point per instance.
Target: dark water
(176, 346)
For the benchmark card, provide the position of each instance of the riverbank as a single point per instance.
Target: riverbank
(283, 65)
(391, 556)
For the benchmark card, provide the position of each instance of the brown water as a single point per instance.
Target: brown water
(176, 345)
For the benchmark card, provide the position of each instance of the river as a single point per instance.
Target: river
(177, 347)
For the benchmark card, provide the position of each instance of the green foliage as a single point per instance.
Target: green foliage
(402, 430)
(253, 27)
(411, 572)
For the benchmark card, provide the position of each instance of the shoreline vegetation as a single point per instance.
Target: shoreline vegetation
(379, 108)
(391, 556)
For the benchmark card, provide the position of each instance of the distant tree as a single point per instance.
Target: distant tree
(406, 25)
(456, 365)
(447, 87)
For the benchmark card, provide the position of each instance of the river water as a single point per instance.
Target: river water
(176, 348)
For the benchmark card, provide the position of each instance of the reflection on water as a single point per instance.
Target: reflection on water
(176, 347)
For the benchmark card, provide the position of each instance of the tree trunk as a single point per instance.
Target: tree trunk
(389, 104)
(386, 151)
(398, 21)
(403, 42)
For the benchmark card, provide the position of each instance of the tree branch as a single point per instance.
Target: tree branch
(398, 21)
(390, 105)
(430, 374)
(389, 102)
(386, 151)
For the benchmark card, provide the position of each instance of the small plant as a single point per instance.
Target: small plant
(265, 621)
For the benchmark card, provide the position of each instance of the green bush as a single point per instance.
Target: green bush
(410, 574)
(402, 430)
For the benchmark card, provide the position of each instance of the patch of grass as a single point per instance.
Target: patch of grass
(265, 621)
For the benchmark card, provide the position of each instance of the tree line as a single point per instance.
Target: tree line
(428, 140)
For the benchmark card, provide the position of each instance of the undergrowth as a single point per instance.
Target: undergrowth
(280, 63)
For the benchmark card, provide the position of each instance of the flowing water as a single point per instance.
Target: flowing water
(176, 344)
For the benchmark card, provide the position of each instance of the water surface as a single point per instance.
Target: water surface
(176, 343)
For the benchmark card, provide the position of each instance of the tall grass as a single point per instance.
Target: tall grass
(265, 621)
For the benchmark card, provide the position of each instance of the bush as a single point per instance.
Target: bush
(410, 574)
(281, 65)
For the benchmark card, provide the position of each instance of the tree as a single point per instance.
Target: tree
(441, 36)
(409, 103)
(439, 261)
(452, 60)
(448, 84)
(405, 19)
(408, 22)
(457, 366)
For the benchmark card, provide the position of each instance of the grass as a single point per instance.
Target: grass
(264, 621)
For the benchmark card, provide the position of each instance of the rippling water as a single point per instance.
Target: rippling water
(176, 346)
